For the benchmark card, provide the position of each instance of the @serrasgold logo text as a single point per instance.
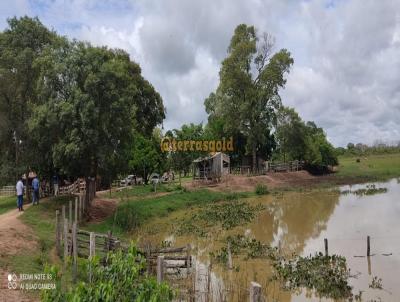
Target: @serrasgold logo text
(172, 145)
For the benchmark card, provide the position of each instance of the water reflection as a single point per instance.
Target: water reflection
(299, 222)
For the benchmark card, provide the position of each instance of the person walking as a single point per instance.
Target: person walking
(35, 193)
(55, 184)
(20, 194)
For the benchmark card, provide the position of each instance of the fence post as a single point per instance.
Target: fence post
(230, 264)
(148, 255)
(188, 257)
(92, 244)
(65, 240)
(326, 246)
(255, 292)
(75, 252)
(70, 212)
(368, 246)
(63, 213)
(160, 268)
(83, 205)
(76, 210)
(58, 239)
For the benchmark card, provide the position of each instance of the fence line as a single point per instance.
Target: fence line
(269, 167)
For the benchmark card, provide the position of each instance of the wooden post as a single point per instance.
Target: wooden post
(108, 241)
(76, 210)
(255, 292)
(209, 280)
(65, 240)
(79, 208)
(188, 258)
(326, 246)
(75, 252)
(368, 246)
(92, 245)
(148, 255)
(92, 252)
(369, 265)
(160, 268)
(230, 264)
(70, 212)
(82, 206)
(58, 239)
(63, 214)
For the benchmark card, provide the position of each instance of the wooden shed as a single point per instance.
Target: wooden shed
(211, 167)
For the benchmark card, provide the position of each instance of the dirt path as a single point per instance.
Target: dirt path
(14, 238)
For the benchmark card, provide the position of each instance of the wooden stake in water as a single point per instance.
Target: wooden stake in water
(255, 292)
(326, 246)
(368, 246)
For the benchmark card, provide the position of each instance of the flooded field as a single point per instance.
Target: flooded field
(298, 222)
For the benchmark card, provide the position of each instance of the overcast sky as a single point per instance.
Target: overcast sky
(346, 75)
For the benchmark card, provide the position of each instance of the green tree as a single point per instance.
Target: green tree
(303, 141)
(248, 94)
(93, 102)
(146, 156)
(181, 160)
(21, 44)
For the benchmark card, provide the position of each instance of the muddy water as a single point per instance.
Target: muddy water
(299, 222)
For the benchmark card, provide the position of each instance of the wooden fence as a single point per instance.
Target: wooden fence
(7, 191)
(269, 167)
(74, 242)
(77, 187)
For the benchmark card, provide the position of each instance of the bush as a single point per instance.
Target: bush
(121, 279)
(261, 189)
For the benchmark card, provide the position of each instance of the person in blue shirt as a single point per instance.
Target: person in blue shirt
(35, 193)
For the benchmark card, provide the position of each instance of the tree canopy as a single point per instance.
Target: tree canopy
(247, 97)
(68, 106)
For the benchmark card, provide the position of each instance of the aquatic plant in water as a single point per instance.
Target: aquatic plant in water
(369, 190)
(327, 275)
(227, 214)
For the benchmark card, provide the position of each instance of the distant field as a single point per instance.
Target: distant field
(7, 203)
(374, 167)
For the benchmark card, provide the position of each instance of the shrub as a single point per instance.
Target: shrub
(261, 189)
(121, 279)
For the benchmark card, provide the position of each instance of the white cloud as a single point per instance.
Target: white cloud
(347, 64)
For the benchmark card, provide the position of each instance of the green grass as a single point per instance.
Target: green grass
(143, 191)
(7, 203)
(372, 167)
(133, 212)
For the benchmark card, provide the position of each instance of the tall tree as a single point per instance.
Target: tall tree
(247, 97)
(21, 44)
(94, 101)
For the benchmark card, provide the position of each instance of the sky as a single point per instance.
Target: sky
(346, 72)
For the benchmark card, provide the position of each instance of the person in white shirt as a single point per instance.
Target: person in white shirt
(20, 194)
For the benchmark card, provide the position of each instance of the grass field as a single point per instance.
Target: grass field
(373, 167)
(7, 203)
(135, 208)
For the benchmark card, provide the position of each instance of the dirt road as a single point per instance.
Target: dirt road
(14, 238)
